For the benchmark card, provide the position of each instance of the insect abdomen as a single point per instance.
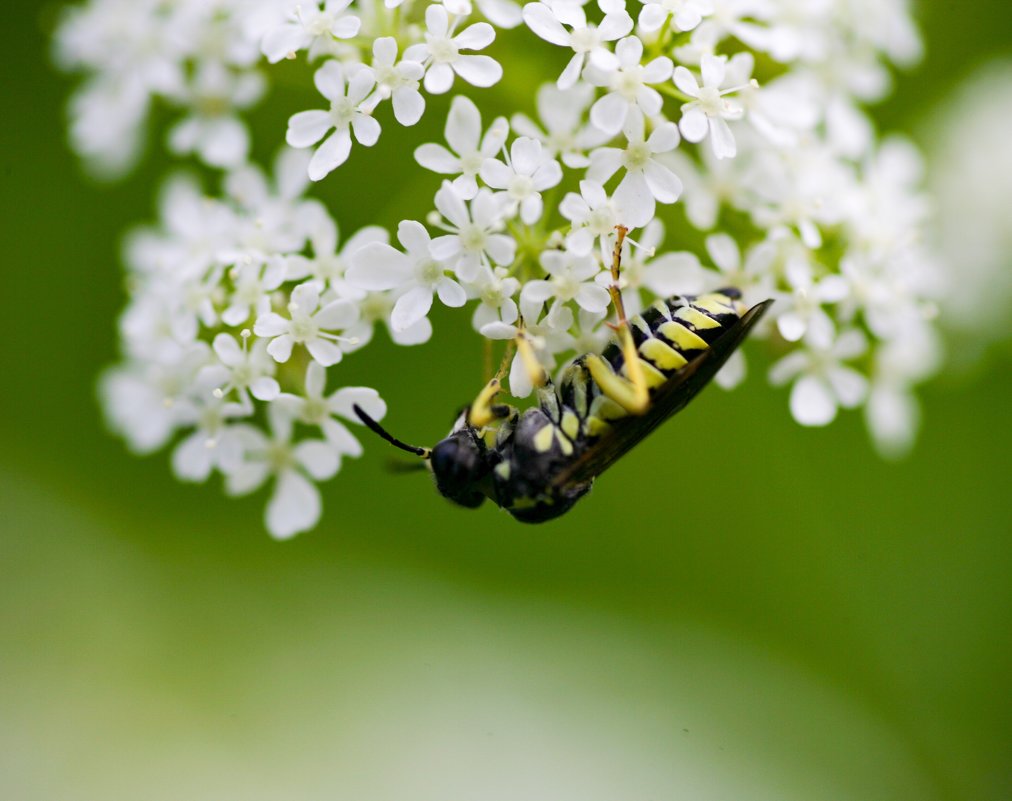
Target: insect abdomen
(673, 332)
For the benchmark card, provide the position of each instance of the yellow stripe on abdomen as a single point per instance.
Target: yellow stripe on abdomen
(682, 337)
(663, 356)
(695, 318)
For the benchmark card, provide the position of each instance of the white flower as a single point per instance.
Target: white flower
(586, 40)
(566, 134)
(687, 14)
(377, 307)
(646, 180)
(709, 111)
(443, 51)
(469, 147)
(213, 130)
(295, 503)
(571, 278)
(307, 326)
(821, 381)
(473, 239)
(378, 267)
(310, 27)
(213, 443)
(753, 276)
(398, 80)
(525, 175)
(804, 308)
(347, 111)
(628, 85)
(145, 401)
(315, 409)
(330, 263)
(253, 282)
(593, 216)
(495, 289)
(241, 369)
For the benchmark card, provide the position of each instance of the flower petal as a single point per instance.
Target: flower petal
(295, 506)
(307, 128)
(812, 404)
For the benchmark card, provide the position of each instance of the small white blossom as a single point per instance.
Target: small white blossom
(295, 504)
(398, 80)
(474, 237)
(469, 147)
(566, 134)
(442, 50)
(593, 216)
(241, 369)
(571, 278)
(709, 111)
(526, 173)
(214, 131)
(586, 40)
(309, 26)
(313, 408)
(416, 274)
(821, 381)
(213, 444)
(804, 307)
(629, 92)
(687, 14)
(646, 179)
(347, 113)
(495, 291)
(307, 326)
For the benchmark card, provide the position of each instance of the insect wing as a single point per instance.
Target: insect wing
(669, 399)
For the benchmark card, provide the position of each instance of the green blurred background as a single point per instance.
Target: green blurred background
(803, 621)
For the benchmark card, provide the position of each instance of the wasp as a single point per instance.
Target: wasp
(536, 464)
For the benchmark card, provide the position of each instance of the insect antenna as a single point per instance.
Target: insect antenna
(376, 428)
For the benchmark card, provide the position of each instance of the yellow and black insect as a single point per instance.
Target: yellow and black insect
(537, 463)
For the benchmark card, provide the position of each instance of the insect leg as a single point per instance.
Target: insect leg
(483, 411)
(633, 393)
(531, 364)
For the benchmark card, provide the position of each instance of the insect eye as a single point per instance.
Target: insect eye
(458, 465)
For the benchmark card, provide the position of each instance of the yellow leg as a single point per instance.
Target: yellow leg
(483, 411)
(632, 394)
(531, 364)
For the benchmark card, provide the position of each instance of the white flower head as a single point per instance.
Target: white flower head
(348, 112)
(415, 274)
(570, 278)
(214, 130)
(686, 14)
(314, 408)
(646, 180)
(295, 504)
(398, 80)
(308, 325)
(241, 369)
(310, 26)
(442, 51)
(588, 41)
(469, 148)
(566, 134)
(473, 238)
(822, 382)
(709, 110)
(526, 173)
(628, 85)
(593, 215)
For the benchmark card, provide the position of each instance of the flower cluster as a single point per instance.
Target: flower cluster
(728, 136)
